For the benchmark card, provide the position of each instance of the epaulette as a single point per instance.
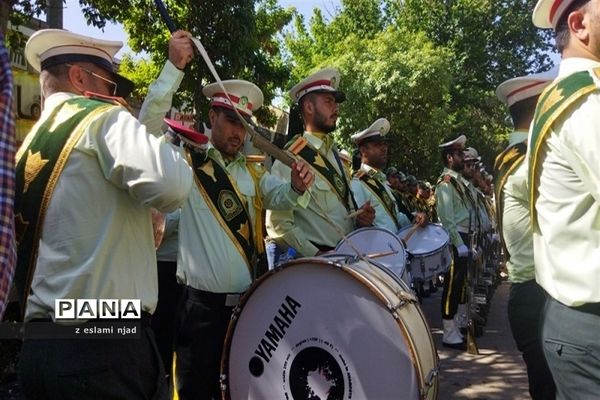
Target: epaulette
(444, 179)
(255, 158)
(117, 101)
(291, 141)
(360, 173)
(296, 145)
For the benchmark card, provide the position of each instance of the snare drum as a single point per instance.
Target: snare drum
(430, 250)
(329, 328)
(380, 245)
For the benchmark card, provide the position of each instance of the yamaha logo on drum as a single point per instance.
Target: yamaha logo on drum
(276, 331)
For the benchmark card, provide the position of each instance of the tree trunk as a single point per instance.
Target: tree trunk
(5, 8)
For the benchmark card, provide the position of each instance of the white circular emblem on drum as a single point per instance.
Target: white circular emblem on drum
(315, 369)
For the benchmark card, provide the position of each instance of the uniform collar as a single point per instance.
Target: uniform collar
(571, 65)
(55, 99)
(451, 172)
(321, 141)
(374, 172)
(217, 156)
(517, 136)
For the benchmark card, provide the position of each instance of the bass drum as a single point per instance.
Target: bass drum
(380, 245)
(429, 247)
(329, 328)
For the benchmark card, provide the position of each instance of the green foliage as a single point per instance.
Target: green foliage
(139, 71)
(18, 12)
(430, 66)
(491, 41)
(240, 36)
(394, 74)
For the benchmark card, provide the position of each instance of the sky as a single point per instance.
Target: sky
(73, 19)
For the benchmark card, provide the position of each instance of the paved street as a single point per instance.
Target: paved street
(497, 373)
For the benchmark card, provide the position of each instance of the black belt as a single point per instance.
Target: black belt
(589, 308)
(213, 299)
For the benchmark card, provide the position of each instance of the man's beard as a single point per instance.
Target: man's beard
(321, 125)
(458, 167)
(378, 163)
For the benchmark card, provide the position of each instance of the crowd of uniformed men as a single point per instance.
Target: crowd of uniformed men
(89, 173)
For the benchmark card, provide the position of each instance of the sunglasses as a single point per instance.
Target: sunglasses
(95, 75)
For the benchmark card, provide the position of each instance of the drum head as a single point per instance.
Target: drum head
(376, 241)
(427, 239)
(314, 330)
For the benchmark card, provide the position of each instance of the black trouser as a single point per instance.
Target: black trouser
(164, 319)
(202, 325)
(525, 306)
(454, 282)
(75, 369)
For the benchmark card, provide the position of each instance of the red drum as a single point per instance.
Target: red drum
(380, 245)
(329, 328)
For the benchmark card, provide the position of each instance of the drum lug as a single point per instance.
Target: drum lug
(405, 298)
(222, 380)
(429, 382)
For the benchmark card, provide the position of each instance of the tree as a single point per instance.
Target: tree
(18, 12)
(482, 43)
(240, 36)
(491, 41)
(385, 72)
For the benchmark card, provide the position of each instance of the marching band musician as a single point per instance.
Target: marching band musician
(410, 195)
(456, 209)
(370, 183)
(473, 173)
(426, 201)
(164, 319)
(320, 226)
(397, 181)
(93, 239)
(220, 228)
(527, 298)
(564, 178)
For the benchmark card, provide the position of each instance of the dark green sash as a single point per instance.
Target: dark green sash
(555, 100)
(506, 163)
(40, 162)
(328, 172)
(401, 206)
(227, 204)
(379, 191)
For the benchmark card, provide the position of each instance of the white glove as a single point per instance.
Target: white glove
(475, 254)
(463, 250)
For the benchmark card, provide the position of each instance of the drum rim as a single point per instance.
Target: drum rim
(381, 265)
(371, 228)
(429, 253)
(416, 363)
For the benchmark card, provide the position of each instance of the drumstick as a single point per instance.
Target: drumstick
(355, 213)
(382, 254)
(411, 232)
